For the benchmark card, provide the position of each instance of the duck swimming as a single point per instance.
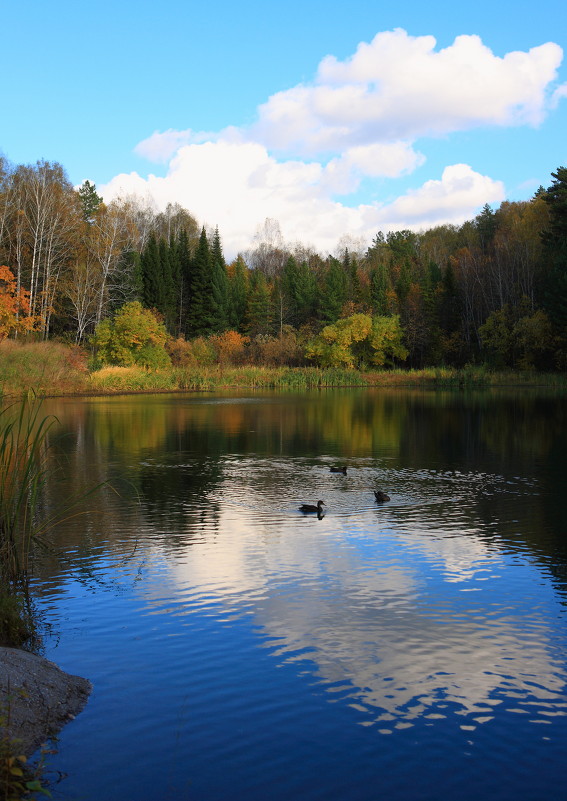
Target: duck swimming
(338, 470)
(308, 507)
(380, 496)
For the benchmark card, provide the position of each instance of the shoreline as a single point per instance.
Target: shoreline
(419, 380)
(37, 699)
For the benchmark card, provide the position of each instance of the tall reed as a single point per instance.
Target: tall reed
(24, 462)
(23, 435)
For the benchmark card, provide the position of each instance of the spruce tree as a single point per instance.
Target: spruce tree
(151, 274)
(299, 288)
(334, 295)
(167, 295)
(290, 290)
(90, 201)
(199, 322)
(379, 286)
(184, 263)
(238, 288)
(431, 292)
(350, 267)
(306, 293)
(555, 255)
(259, 312)
(219, 286)
(486, 225)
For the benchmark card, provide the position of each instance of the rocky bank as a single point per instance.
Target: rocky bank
(36, 698)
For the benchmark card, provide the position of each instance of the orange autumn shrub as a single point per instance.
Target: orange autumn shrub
(198, 352)
(230, 347)
(14, 306)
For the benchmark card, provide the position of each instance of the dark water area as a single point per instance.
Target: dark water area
(413, 650)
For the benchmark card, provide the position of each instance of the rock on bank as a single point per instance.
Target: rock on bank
(36, 698)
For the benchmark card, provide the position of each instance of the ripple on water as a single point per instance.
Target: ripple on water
(419, 622)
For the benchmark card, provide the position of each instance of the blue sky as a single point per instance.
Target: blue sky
(334, 119)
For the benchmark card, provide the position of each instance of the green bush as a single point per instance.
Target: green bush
(134, 337)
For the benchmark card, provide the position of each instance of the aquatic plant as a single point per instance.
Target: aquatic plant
(23, 436)
(24, 523)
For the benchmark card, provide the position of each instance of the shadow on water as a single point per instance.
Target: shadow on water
(171, 456)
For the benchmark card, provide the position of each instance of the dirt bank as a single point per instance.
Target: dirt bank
(36, 698)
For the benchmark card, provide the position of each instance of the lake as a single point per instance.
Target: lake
(413, 650)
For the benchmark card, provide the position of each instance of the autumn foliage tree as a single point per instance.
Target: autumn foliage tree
(358, 341)
(490, 290)
(230, 347)
(14, 306)
(134, 336)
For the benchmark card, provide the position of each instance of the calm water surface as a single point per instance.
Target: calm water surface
(414, 650)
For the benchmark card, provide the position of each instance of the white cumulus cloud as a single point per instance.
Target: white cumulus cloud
(236, 186)
(358, 121)
(399, 88)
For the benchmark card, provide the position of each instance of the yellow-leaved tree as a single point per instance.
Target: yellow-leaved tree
(134, 337)
(359, 341)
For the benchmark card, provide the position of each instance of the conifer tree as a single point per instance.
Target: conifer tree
(166, 304)
(151, 273)
(238, 287)
(450, 307)
(555, 255)
(132, 284)
(334, 295)
(259, 312)
(90, 201)
(299, 288)
(219, 286)
(379, 286)
(403, 283)
(431, 292)
(350, 267)
(199, 318)
(183, 260)
(486, 225)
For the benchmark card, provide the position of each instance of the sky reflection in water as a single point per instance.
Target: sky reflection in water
(275, 653)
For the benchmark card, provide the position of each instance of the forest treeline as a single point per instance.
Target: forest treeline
(492, 290)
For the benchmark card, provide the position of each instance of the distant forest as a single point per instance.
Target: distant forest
(492, 290)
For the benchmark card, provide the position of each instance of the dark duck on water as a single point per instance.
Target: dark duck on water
(380, 496)
(307, 508)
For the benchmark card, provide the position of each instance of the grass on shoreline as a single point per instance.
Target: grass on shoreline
(110, 380)
(54, 369)
(42, 367)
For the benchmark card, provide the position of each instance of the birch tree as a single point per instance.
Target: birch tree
(44, 230)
